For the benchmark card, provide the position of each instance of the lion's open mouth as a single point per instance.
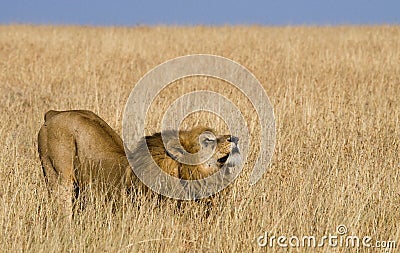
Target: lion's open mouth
(223, 159)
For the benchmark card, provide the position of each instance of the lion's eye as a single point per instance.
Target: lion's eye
(208, 140)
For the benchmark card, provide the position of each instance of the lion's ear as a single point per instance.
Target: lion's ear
(174, 149)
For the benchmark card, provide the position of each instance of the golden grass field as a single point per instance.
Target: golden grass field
(336, 98)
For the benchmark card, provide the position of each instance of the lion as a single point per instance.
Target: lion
(78, 149)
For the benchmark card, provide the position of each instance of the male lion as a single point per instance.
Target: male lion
(77, 149)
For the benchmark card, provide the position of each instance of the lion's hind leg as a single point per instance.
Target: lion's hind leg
(57, 160)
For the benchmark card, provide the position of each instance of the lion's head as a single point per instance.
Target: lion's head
(196, 154)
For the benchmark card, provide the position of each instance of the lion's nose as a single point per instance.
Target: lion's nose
(233, 139)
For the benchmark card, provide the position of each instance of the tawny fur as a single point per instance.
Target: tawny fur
(77, 148)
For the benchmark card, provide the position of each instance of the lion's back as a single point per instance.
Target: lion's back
(92, 135)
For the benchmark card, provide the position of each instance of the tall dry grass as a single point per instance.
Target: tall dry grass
(335, 92)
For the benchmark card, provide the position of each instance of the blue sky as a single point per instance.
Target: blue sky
(205, 12)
